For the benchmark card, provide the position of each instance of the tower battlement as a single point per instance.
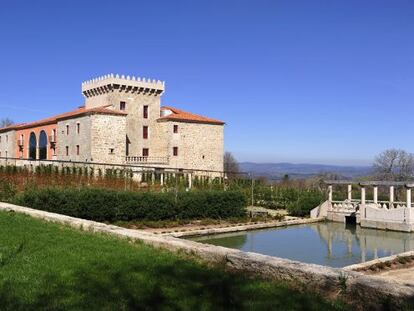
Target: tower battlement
(129, 84)
(97, 91)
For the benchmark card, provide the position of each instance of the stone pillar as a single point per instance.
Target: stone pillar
(391, 196)
(162, 179)
(190, 181)
(409, 197)
(349, 192)
(408, 214)
(375, 194)
(363, 195)
(362, 210)
(330, 193)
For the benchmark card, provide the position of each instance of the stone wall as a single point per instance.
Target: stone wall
(135, 121)
(200, 146)
(8, 144)
(108, 138)
(73, 139)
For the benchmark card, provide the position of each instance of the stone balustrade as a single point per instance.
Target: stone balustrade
(389, 215)
(146, 160)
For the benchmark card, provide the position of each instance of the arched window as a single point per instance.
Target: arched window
(42, 146)
(32, 146)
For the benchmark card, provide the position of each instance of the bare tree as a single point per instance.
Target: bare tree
(231, 166)
(394, 165)
(5, 122)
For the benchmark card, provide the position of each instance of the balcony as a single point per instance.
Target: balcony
(146, 160)
(52, 140)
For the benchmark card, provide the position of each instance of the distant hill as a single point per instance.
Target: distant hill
(276, 171)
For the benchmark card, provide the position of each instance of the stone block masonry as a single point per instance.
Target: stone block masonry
(370, 292)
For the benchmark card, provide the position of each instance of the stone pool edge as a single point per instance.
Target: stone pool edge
(241, 228)
(371, 263)
(331, 282)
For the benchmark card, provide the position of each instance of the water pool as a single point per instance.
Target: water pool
(325, 243)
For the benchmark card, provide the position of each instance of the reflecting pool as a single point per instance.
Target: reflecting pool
(325, 243)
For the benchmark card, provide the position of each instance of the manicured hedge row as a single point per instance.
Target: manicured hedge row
(110, 205)
(305, 203)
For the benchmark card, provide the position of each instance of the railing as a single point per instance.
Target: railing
(347, 204)
(388, 205)
(149, 160)
(353, 204)
(52, 139)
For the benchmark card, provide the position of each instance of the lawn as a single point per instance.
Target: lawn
(53, 267)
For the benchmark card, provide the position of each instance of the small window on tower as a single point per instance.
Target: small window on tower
(175, 151)
(122, 106)
(145, 152)
(67, 129)
(77, 149)
(145, 112)
(175, 129)
(67, 150)
(78, 128)
(145, 132)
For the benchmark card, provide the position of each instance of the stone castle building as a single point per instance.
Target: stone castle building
(121, 122)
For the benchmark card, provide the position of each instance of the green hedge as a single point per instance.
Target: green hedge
(110, 205)
(305, 203)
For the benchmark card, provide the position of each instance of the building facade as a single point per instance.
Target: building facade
(121, 122)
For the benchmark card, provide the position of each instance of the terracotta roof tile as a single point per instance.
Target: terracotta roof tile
(180, 115)
(78, 112)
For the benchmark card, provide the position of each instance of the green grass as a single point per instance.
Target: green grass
(51, 267)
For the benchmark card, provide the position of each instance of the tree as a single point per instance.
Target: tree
(5, 122)
(231, 166)
(394, 165)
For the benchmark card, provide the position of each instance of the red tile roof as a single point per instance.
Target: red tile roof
(75, 113)
(183, 116)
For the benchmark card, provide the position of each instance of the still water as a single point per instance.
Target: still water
(325, 243)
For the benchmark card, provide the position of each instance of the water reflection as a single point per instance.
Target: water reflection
(331, 244)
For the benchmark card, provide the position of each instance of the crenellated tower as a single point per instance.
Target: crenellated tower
(139, 97)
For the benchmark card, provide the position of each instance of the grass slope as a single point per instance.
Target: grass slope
(52, 267)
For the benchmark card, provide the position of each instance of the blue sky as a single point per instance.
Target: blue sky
(296, 81)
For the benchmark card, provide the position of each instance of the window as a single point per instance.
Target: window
(42, 146)
(111, 150)
(145, 152)
(175, 151)
(77, 150)
(145, 132)
(175, 129)
(145, 112)
(122, 106)
(67, 151)
(32, 146)
(78, 128)
(67, 129)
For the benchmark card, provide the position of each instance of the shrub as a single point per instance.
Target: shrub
(305, 203)
(110, 205)
(7, 190)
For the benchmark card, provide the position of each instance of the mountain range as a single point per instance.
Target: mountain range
(276, 171)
